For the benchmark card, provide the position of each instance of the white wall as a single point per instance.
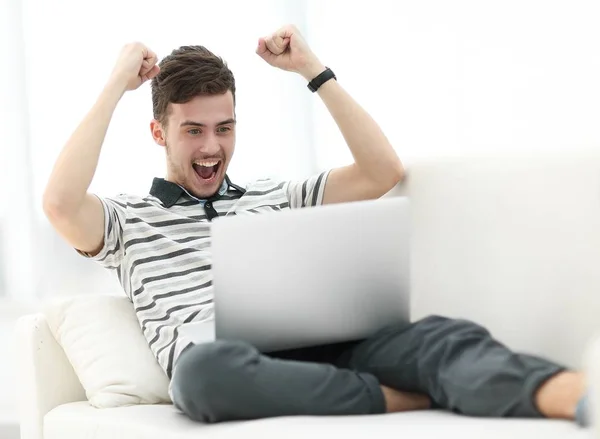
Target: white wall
(454, 77)
(16, 221)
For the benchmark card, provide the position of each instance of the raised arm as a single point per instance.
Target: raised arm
(376, 168)
(77, 215)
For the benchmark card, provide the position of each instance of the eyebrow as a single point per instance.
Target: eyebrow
(191, 123)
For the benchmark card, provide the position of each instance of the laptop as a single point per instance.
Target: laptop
(312, 276)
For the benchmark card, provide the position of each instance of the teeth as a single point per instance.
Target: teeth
(206, 164)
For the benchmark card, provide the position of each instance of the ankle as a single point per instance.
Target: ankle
(558, 397)
(397, 401)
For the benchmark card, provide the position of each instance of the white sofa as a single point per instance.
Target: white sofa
(512, 242)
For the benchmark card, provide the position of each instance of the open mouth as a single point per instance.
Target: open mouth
(207, 170)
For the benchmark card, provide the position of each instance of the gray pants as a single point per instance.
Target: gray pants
(456, 362)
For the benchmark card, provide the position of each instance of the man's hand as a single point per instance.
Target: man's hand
(136, 64)
(287, 50)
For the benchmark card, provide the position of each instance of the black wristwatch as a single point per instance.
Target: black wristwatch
(321, 79)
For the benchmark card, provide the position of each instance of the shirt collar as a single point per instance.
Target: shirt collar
(168, 192)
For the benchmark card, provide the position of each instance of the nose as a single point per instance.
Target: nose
(211, 144)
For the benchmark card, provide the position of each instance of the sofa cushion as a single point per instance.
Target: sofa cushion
(102, 340)
(78, 420)
(510, 238)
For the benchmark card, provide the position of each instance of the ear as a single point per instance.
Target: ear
(158, 133)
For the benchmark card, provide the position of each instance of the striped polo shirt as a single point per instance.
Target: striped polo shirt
(159, 247)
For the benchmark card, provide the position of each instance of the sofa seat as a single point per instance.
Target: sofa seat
(80, 420)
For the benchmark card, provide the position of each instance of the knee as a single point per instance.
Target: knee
(454, 327)
(207, 376)
(210, 360)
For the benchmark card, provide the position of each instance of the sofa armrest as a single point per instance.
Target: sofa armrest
(46, 378)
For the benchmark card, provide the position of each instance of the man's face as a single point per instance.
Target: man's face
(199, 142)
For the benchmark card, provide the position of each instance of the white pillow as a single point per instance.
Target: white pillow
(103, 341)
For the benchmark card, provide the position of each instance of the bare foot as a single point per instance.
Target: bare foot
(558, 397)
(396, 401)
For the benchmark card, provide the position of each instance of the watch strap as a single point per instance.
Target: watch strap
(321, 79)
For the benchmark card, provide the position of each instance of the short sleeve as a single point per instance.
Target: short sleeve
(112, 252)
(306, 193)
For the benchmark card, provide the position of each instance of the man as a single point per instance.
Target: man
(159, 247)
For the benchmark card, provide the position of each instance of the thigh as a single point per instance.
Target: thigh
(402, 356)
(231, 380)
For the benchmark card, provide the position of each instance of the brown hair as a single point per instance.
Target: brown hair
(188, 72)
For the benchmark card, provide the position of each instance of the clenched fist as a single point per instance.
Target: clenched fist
(287, 50)
(136, 64)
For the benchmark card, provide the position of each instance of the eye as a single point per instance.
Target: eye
(223, 129)
(194, 131)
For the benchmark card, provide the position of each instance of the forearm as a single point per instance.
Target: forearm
(75, 167)
(372, 151)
